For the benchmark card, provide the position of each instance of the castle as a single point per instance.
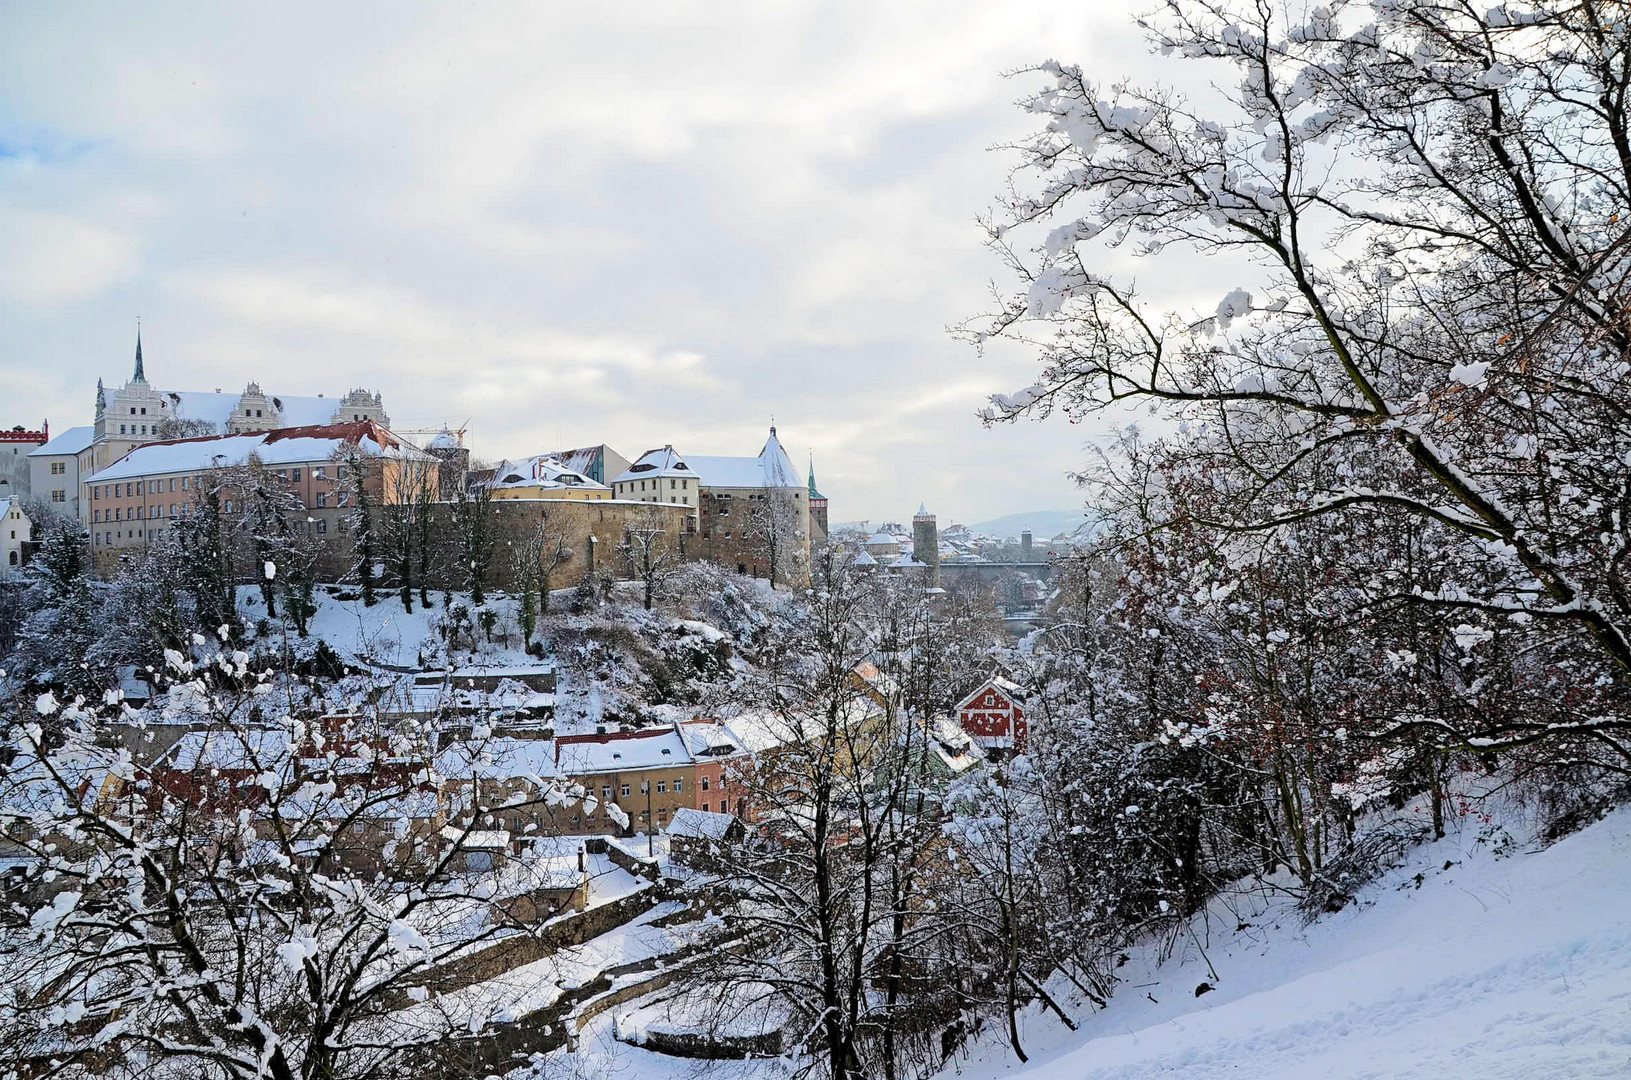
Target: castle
(136, 414)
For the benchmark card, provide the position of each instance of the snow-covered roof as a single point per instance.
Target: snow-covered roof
(701, 824)
(881, 538)
(541, 471)
(477, 839)
(499, 759)
(908, 560)
(252, 748)
(72, 441)
(863, 558)
(652, 749)
(663, 461)
(1009, 688)
(772, 468)
(710, 740)
(283, 446)
(444, 440)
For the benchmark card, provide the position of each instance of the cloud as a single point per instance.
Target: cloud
(51, 259)
(641, 223)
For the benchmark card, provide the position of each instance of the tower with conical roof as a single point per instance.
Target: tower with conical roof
(926, 542)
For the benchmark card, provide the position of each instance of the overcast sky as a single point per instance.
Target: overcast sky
(556, 223)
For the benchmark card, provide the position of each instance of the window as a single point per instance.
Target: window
(724, 806)
(705, 808)
(283, 474)
(679, 785)
(229, 506)
(58, 468)
(339, 472)
(625, 791)
(662, 787)
(184, 483)
(322, 525)
(144, 410)
(322, 498)
(121, 429)
(59, 495)
(345, 498)
(172, 483)
(294, 474)
(606, 792)
(704, 783)
(96, 515)
(116, 514)
(319, 473)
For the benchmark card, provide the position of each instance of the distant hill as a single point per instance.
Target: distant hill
(1042, 523)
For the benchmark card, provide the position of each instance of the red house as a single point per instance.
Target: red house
(994, 718)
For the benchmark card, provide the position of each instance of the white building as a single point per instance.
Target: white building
(55, 469)
(659, 475)
(15, 530)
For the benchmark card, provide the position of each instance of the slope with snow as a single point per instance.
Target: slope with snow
(1466, 961)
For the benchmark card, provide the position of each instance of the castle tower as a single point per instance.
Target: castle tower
(818, 509)
(1026, 550)
(926, 542)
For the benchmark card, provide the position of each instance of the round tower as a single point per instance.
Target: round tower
(926, 542)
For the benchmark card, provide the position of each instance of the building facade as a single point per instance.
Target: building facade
(15, 532)
(158, 484)
(137, 414)
(544, 477)
(15, 447)
(56, 468)
(994, 717)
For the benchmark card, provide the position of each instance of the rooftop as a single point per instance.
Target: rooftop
(283, 446)
(72, 441)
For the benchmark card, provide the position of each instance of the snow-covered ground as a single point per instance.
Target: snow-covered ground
(1514, 966)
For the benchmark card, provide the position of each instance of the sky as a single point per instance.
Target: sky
(552, 224)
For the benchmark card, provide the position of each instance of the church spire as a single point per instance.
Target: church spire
(814, 494)
(140, 375)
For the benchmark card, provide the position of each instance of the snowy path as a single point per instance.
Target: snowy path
(1493, 968)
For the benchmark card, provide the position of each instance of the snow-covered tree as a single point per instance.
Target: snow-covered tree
(271, 904)
(1434, 200)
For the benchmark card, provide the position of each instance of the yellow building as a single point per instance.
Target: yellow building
(544, 477)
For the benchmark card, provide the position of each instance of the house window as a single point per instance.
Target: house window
(705, 808)
(322, 525)
(724, 806)
(59, 495)
(322, 498)
(121, 429)
(294, 474)
(704, 783)
(184, 483)
(58, 468)
(679, 785)
(662, 787)
(625, 791)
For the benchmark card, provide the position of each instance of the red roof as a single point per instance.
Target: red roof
(14, 435)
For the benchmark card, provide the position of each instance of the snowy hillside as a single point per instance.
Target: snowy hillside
(1474, 959)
